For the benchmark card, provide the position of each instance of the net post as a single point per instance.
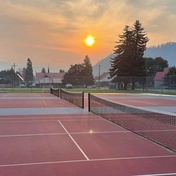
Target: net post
(58, 93)
(82, 100)
(88, 101)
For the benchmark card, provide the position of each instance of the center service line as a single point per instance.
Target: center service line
(44, 102)
(73, 140)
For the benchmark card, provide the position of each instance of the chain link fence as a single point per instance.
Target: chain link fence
(167, 83)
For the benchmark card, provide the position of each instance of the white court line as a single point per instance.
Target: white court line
(5, 120)
(53, 134)
(44, 102)
(39, 119)
(100, 132)
(91, 160)
(40, 163)
(165, 174)
(29, 135)
(73, 141)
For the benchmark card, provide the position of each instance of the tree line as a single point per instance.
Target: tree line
(25, 76)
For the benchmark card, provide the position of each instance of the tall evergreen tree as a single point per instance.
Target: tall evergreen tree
(129, 51)
(87, 71)
(29, 73)
(140, 41)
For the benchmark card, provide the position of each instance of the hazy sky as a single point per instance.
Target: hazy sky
(51, 32)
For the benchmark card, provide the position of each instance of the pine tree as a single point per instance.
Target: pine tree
(29, 73)
(129, 51)
(87, 72)
(140, 41)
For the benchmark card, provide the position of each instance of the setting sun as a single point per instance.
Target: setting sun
(89, 40)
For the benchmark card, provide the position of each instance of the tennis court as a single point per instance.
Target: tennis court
(42, 135)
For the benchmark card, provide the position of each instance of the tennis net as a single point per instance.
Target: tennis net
(76, 98)
(54, 91)
(160, 127)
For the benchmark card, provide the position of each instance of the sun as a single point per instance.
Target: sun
(89, 40)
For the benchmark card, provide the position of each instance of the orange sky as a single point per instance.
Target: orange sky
(52, 32)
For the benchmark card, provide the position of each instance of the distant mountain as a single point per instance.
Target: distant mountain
(5, 66)
(102, 66)
(167, 51)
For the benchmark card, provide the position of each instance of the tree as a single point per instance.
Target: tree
(152, 66)
(43, 70)
(79, 74)
(7, 76)
(61, 71)
(73, 75)
(170, 78)
(129, 51)
(29, 73)
(87, 71)
(160, 63)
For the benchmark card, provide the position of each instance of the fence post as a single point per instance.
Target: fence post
(88, 101)
(83, 100)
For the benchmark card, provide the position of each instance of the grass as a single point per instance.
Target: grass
(47, 90)
(24, 90)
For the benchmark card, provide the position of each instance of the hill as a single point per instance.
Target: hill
(167, 51)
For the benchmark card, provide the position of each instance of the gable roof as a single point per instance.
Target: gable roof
(103, 77)
(160, 75)
(48, 77)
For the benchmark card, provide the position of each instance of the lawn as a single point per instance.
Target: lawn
(86, 90)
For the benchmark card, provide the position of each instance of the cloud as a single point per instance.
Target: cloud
(41, 27)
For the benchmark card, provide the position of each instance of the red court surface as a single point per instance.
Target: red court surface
(155, 101)
(72, 142)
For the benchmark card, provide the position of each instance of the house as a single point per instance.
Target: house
(103, 80)
(48, 79)
(159, 78)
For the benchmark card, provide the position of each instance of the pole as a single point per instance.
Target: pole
(99, 77)
(13, 66)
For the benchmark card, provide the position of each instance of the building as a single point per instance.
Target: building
(48, 79)
(159, 78)
(103, 80)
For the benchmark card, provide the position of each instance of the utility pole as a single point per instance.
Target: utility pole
(13, 67)
(99, 76)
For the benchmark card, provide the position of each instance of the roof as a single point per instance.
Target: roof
(49, 77)
(160, 75)
(103, 77)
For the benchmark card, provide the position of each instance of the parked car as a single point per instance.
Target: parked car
(22, 85)
(68, 86)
